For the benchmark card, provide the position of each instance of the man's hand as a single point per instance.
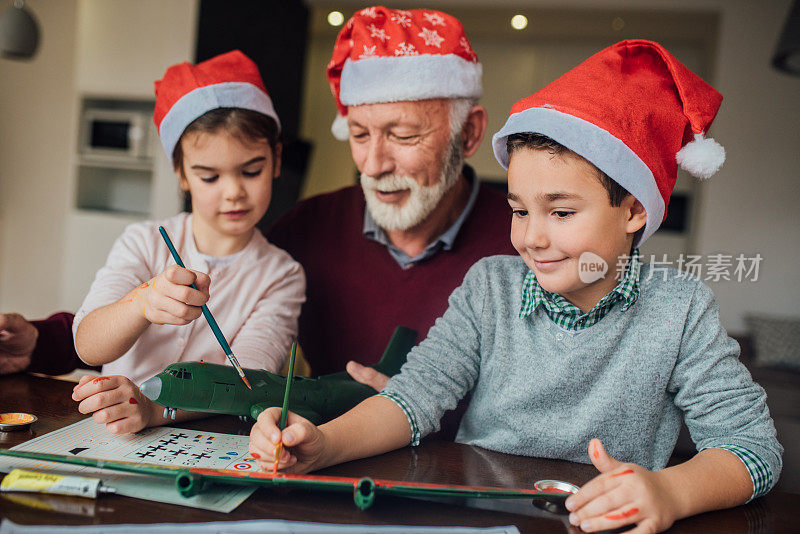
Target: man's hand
(367, 375)
(623, 494)
(17, 341)
(303, 443)
(116, 402)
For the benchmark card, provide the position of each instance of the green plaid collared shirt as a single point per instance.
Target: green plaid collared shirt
(567, 315)
(760, 473)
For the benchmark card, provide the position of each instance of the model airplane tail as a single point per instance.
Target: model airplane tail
(212, 388)
(394, 356)
(401, 343)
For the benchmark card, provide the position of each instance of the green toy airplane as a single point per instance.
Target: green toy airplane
(212, 388)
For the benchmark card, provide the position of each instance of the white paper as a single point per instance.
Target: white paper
(158, 445)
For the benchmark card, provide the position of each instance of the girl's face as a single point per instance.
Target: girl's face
(230, 181)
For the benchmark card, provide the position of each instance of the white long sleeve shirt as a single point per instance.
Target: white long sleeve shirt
(256, 297)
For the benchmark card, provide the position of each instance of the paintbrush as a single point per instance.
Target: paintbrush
(207, 313)
(285, 408)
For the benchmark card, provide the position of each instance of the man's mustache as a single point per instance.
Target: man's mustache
(388, 183)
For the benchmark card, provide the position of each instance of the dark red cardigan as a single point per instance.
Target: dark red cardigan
(357, 293)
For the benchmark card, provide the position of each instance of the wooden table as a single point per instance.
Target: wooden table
(440, 462)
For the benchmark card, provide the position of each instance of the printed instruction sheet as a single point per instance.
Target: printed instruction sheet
(159, 445)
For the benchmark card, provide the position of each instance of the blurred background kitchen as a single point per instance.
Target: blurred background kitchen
(79, 157)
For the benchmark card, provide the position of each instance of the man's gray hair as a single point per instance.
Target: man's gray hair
(459, 109)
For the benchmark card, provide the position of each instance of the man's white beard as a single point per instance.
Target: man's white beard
(421, 201)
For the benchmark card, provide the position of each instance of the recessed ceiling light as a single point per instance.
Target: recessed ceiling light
(335, 18)
(519, 22)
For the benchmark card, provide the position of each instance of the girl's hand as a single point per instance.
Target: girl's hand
(169, 298)
(116, 402)
(304, 441)
(623, 494)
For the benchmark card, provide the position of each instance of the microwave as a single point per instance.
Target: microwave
(119, 133)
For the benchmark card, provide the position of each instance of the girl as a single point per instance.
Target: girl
(218, 125)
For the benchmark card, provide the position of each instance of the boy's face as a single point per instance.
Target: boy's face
(561, 211)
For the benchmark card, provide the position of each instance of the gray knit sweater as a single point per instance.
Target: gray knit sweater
(540, 390)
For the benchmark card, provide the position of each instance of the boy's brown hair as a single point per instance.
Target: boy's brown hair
(535, 141)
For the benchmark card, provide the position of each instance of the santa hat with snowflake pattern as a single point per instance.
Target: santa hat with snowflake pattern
(229, 80)
(636, 113)
(393, 55)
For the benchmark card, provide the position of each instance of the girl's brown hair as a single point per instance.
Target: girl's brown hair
(244, 124)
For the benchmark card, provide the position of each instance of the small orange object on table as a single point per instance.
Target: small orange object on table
(16, 421)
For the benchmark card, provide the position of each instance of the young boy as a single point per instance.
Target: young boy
(557, 354)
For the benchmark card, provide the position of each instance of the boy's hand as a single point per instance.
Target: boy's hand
(169, 298)
(303, 442)
(17, 341)
(114, 401)
(623, 494)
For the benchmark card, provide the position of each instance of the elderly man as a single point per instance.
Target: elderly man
(390, 251)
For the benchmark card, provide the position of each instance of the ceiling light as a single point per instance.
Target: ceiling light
(519, 22)
(335, 18)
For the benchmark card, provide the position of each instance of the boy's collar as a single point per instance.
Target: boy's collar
(626, 291)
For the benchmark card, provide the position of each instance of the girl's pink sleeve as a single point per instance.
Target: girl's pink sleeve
(264, 340)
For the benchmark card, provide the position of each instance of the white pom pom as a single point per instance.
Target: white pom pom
(702, 157)
(340, 128)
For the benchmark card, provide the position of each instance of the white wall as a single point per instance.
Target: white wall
(49, 251)
(37, 114)
(751, 206)
(125, 45)
(122, 47)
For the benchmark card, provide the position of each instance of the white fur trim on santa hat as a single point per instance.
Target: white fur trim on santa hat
(598, 146)
(203, 99)
(403, 78)
(701, 158)
(340, 129)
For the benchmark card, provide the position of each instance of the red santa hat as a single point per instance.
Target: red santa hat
(230, 80)
(393, 55)
(635, 112)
